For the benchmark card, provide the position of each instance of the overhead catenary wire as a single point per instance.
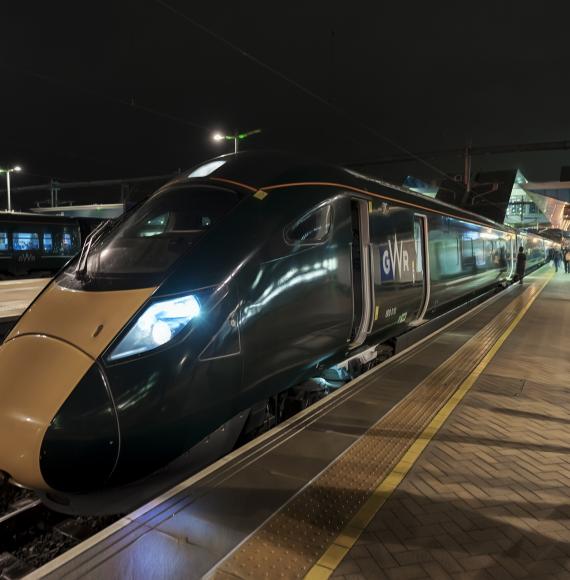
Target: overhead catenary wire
(477, 150)
(123, 102)
(261, 63)
(97, 94)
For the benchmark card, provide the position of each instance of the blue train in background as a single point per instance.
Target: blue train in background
(39, 245)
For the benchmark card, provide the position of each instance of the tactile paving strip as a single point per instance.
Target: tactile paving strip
(292, 540)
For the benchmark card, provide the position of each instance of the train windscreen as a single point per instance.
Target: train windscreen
(146, 243)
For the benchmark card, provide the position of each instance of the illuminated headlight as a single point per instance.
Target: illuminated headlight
(157, 325)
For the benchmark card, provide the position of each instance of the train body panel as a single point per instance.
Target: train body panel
(223, 291)
(297, 281)
(167, 401)
(465, 259)
(38, 373)
(90, 321)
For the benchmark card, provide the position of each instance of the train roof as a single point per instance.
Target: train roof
(26, 217)
(270, 169)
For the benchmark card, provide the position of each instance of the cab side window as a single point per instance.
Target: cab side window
(312, 228)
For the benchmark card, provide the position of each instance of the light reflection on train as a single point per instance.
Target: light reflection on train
(211, 312)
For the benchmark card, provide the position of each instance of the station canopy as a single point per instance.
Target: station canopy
(540, 206)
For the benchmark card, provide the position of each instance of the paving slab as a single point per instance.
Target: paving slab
(490, 495)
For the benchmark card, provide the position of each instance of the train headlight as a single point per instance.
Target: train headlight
(157, 325)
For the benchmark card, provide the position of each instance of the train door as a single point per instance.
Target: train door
(512, 242)
(422, 258)
(397, 238)
(362, 274)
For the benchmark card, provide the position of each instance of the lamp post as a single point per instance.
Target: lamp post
(7, 172)
(235, 138)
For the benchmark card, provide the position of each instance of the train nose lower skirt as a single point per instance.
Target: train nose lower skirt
(37, 375)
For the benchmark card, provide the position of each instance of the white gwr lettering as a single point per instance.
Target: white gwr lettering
(399, 258)
(386, 262)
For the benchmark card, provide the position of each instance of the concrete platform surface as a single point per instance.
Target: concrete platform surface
(16, 295)
(490, 496)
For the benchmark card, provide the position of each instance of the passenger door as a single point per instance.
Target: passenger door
(421, 241)
(399, 259)
(362, 275)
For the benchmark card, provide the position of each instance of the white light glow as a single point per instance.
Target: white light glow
(161, 333)
(217, 137)
(207, 168)
(157, 325)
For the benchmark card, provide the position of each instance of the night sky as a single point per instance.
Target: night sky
(101, 89)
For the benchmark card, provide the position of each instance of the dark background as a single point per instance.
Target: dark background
(103, 89)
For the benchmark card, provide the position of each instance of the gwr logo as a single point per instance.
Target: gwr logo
(24, 258)
(395, 260)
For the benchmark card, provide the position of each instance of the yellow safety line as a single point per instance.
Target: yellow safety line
(335, 553)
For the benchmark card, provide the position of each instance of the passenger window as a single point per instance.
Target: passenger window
(25, 241)
(312, 228)
(153, 226)
(3, 241)
(467, 249)
(48, 243)
(66, 242)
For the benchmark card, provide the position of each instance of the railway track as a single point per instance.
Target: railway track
(32, 535)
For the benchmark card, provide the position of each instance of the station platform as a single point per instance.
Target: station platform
(490, 496)
(449, 460)
(15, 297)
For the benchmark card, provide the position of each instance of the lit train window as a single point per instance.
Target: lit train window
(69, 244)
(48, 243)
(25, 241)
(479, 252)
(3, 241)
(312, 228)
(154, 226)
(178, 222)
(467, 250)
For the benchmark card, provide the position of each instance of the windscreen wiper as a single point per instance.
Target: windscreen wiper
(101, 230)
(92, 238)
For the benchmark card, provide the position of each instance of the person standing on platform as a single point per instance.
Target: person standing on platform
(556, 259)
(521, 264)
(566, 256)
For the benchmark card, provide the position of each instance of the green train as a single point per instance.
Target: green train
(194, 320)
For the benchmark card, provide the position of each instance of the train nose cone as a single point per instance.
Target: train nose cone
(81, 446)
(40, 377)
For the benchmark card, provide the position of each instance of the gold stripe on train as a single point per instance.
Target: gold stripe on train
(43, 359)
(88, 320)
(37, 374)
